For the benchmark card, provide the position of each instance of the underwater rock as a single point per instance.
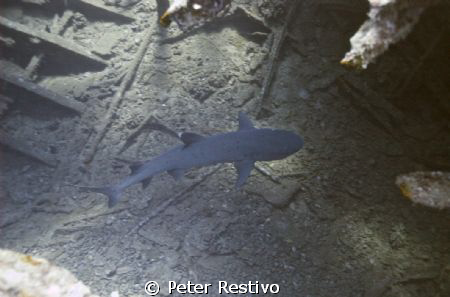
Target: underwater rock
(427, 188)
(389, 21)
(279, 195)
(25, 275)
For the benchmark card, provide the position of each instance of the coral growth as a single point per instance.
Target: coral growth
(389, 21)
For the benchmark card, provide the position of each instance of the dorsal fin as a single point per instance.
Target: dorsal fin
(190, 138)
(244, 122)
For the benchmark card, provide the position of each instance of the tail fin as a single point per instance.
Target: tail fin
(112, 193)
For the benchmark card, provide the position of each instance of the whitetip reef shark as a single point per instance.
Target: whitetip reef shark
(242, 147)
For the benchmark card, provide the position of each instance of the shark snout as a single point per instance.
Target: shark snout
(294, 142)
(285, 143)
(298, 142)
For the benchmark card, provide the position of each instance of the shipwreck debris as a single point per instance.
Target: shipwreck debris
(25, 275)
(431, 189)
(4, 102)
(389, 21)
(23, 83)
(189, 14)
(38, 45)
(18, 83)
(37, 2)
(279, 37)
(105, 122)
(99, 7)
(121, 3)
(26, 148)
(58, 26)
(49, 39)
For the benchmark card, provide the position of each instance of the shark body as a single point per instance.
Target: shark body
(242, 147)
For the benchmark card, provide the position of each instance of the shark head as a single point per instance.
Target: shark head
(277, 144)
(288, 142)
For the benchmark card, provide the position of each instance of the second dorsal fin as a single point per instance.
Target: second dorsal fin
(190, 138)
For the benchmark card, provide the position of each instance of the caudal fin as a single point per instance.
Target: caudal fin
(112, 193)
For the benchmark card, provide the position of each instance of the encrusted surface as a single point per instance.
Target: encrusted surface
(427, 188)
(24, 275)
(389, 21)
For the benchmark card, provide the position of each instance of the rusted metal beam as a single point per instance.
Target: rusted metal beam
(27, 149)
(30, 86)
(280, 34)
(4, 102)
(100, 6)
(51, 39)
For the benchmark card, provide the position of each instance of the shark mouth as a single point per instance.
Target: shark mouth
(189, 14)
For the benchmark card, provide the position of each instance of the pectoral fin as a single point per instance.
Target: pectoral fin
(146, 182)
(243, 170)
(244, 122)
(177, 174)
(190, 138)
